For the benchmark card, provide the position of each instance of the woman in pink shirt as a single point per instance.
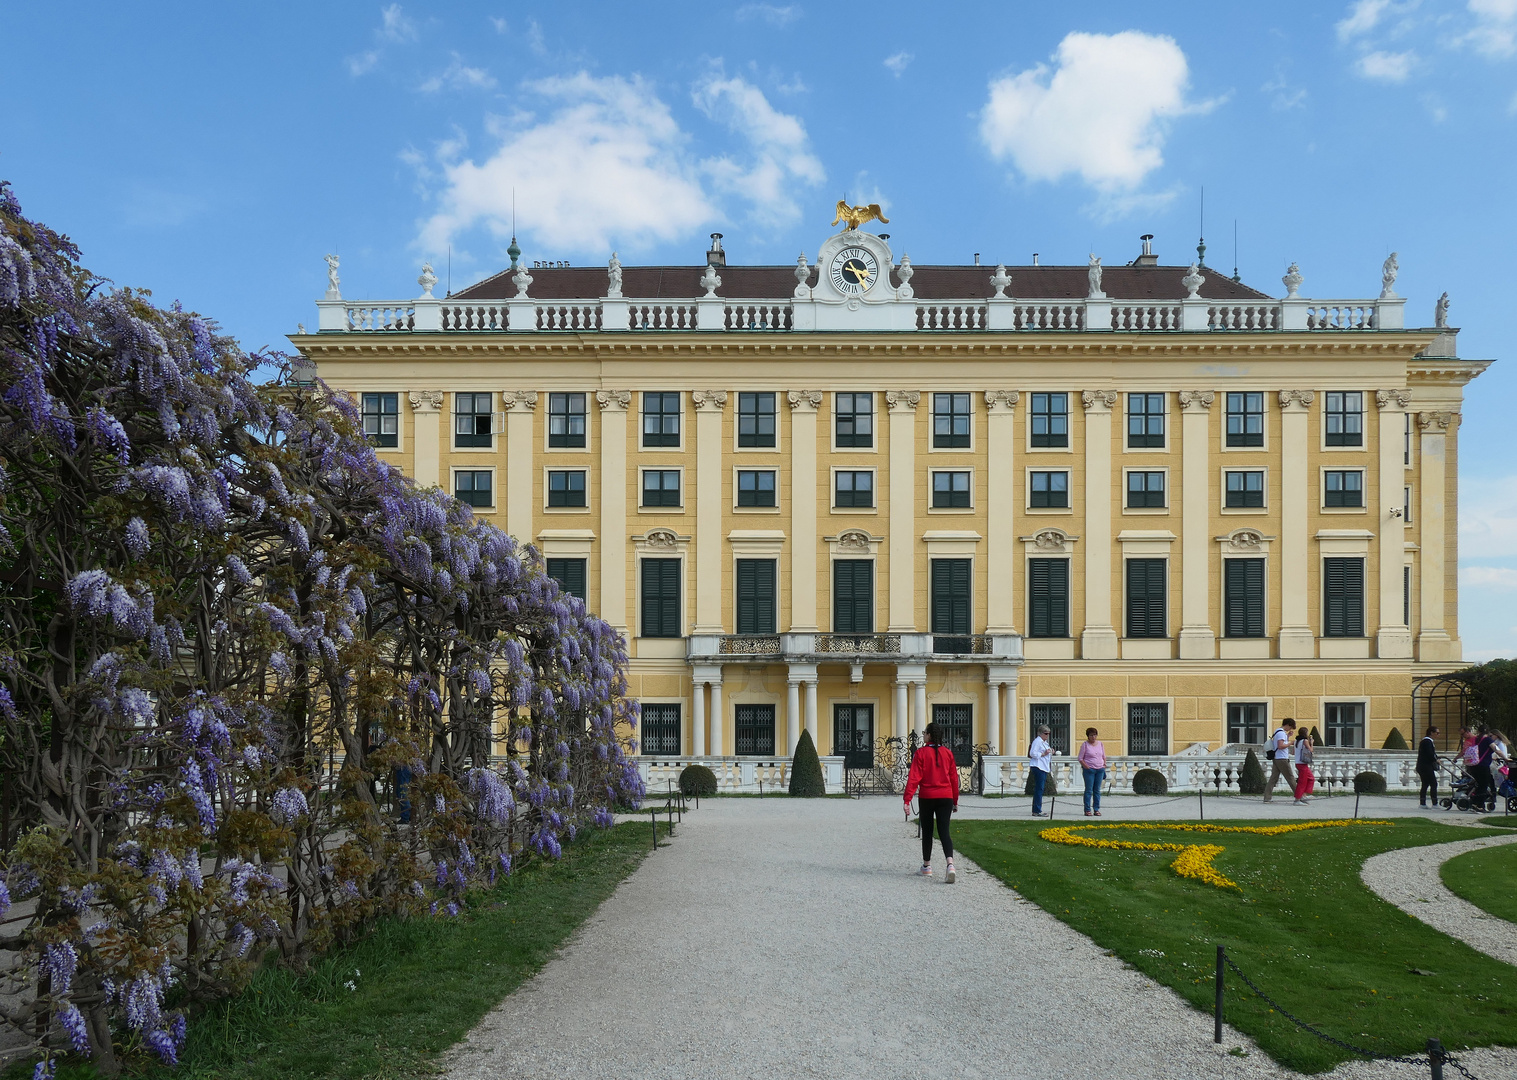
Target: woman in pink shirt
(1092, 758)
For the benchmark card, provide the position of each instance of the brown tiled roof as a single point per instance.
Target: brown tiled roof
(929, 282)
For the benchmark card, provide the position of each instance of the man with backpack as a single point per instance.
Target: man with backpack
(1279, 751)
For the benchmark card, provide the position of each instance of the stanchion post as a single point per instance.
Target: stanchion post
(670, 808)
(1217, 1032)
(653, 820)
(1201, 801)
(1435, 1058)
(1356, 804)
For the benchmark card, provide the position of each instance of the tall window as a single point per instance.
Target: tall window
(1343, 487)
(1049, 489)
(855, 419)
(755, 419)
(1056, 716)
(1406, 505)
(1050, 419)
(950, 490)
(1147, 728)
(1345, 723)
(474, 486)
(566, 487)
(755, 487)
(853, 596)
(853, 488)
(1245, 419)
(755, 596)
(1243, 597)
(661, 413)
(661, 614)
(755, 730)
(853, 735)
(471, 419)
(661, 487)
(950, 421)
(1245, 488)
(566, 420)
(1145, 420)
(1146, 600)
(381, 419)
(1245, 722)
(661, 728)
(570, 575)
(1345, 418)
(1145, 489)
(950, 605)
(957, 724)
(1406, 596)
(1406, 442)
(1343, 597)
(1048, 598)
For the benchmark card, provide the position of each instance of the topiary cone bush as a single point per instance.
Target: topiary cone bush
(1049, 788)
(1316, 739)
(1251, 779)
(1369, 783)
(806, 770)
(1394, 740)
(697, 780)
(1152, 782)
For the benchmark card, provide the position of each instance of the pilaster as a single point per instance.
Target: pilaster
(613, 507)
(803, 509)
(709, 407)
(902, 405)
(1433, 641)
(520, 406)
(1000, 438)
(1296, 638)
(1099, 639)
(1198, 641)
(426, 436)
(1394, 639)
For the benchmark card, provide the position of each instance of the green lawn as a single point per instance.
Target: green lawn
(1487, 879)
(1504, 821)
(420, 984)
(1301, 925)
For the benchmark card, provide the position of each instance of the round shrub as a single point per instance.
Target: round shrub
(697, 780)
(1251, 779)
(1049, 787)
(1149, 782)
(806, 770)
(1394, 740)
(1369, 783)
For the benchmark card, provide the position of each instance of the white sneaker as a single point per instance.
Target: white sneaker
(925, 871)
(952, 875)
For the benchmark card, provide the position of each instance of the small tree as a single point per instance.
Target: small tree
(697, 780)
(1394, 741)
(806, 770)
(1251, 779)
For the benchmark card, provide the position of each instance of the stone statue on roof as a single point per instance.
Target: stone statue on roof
(427, 280)
(1193, 282)
(1388, 278)
(614, 277)
(1093, 275)
(333, 291)
(521, 279)
(1441, 311)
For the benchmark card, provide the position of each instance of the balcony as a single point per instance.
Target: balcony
(855, 648)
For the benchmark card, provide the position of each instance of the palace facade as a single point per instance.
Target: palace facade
(854, 495)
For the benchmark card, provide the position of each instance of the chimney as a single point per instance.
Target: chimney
(1148, 258)
(977, 258)
(716, 256)
(1035, 258)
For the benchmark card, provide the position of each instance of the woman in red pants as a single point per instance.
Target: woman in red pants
(935, 773)
(1305, 781)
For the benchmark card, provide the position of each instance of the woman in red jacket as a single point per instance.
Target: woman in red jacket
(934, 771)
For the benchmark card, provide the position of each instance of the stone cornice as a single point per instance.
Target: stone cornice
(1449, 372)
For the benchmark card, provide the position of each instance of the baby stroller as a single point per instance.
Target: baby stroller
(1461, 788)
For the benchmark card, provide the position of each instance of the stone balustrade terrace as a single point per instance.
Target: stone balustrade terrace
(855, 648)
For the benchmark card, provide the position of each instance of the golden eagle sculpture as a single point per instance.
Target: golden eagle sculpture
(855, 216)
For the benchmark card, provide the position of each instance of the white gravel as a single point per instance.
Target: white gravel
(789, 938)
(1409, 879)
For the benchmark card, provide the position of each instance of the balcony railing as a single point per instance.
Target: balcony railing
(855, 648)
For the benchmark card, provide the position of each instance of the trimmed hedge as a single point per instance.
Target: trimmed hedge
(806, 770)
(1251, 779)
(1150, 782)
(1049, 788)
(1316, 739)
(1369, 783)
(1394, 741)
(697, 780)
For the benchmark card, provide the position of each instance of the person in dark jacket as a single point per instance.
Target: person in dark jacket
(1427, 766)
(936, 775)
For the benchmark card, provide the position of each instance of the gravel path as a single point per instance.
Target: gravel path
(1409, 879)
(789, 938)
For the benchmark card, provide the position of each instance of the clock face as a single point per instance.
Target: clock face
(854, 270)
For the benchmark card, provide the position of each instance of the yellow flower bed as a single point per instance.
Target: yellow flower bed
(1195, 860)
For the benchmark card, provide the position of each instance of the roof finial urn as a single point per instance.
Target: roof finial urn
(710, 281)
(1292, 281)
(1193, 282)
(426, 280)
(802, 276)
(904, 272)
(1000, 280)
(522, 280)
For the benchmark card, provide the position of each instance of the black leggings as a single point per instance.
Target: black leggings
(1485, 784)
(941, 810)
(1429, 787)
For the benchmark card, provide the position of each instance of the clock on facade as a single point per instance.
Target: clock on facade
(854, 270)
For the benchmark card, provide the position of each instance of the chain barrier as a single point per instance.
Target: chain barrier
(1424, 1062)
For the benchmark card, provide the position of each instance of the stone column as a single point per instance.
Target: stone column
(709, 407)
(1433, 641)
(1296, 639)
(792, 715)
(919, 704)
(1394, 639)
(1010, 720)
(426, 436)
(613, 507)
(698, 719)
(520, 406)
(811, 711)
(1000, 443)
(1099, 639)
(1198, 641)
(898, 724)
(718, 718)
(903, 484)
(803, 509)
(993, 716)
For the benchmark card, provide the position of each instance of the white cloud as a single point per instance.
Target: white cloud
(781, 148)
(395, 26)
(898, 62)
(363, 63)
(1386, 66)
(459, 76)
(1488, 577)
(773, 14)
(1495, 30)
(501, 26)
(608, 165)
(1488, 518)
(535, 38)
(1100, 113)
(1363, 17)
(1285, 96)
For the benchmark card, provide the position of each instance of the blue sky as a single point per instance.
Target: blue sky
(214, 153)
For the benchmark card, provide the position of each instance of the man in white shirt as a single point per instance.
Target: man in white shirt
(1040, 757)
(1280, 753)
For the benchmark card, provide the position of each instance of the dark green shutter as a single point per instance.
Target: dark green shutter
(950, 596)
(661, 614)
(853, 596)
(755, 596)
(1243, 597)
(1146, 598)
(1048, 593)
(1343, 597)
(570, 575)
